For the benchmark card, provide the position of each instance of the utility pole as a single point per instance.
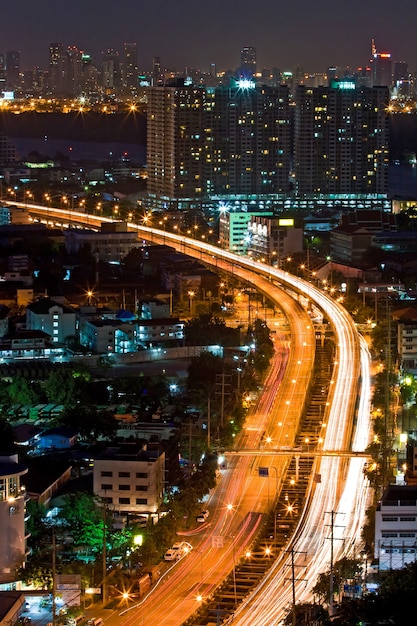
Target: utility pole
(208, 422)
(293, 580)
(53, 577)
(104, 564)
(332, 538)
(222, 381)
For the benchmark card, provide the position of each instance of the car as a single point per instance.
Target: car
(183, 546)
(202, 517)
(179, 549)
(172, 555)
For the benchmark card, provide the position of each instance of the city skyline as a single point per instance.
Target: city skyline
(215, 33)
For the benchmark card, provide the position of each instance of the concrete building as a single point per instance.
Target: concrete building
(53, 318)
(341, 139)
(407, 338)
(396, 527)
(223, 140)
(355, 234)
(233, 228)
(272, 239)
(111, 244)
(154, 332)
(12, 517)
(104, 336)
(130, 478)
(29, 344)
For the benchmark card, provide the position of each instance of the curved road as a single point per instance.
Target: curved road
(330, 525)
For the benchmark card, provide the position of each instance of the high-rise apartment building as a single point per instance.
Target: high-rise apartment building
(341, 139)
(176, 144)
(250, 142)
(217, 141)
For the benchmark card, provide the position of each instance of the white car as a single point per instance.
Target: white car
(178, 550)
(202, 517)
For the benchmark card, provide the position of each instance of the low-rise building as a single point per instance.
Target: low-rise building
(272, 239)
(130, 478)
(396, 527)
(110, 245)
(52, 317)
(29, 344)
(407, 338)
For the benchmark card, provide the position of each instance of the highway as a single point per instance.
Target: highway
(331, 522)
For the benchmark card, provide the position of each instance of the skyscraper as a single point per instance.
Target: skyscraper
(341, 139)
(130, 66)
(110, 66)
(57, 68)
(12, 69)
(247, 62)
(73, 74)
(382, 67)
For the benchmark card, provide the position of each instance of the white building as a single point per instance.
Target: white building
(407, 338)
(233, 229)
(130, 478)
(396, 527)
(12, 518)
(104, 336)
(53, 318)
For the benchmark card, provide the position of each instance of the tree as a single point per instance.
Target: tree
(21, 392)
(62, 387)
(7, 445)
(88, 421)
(82, 515)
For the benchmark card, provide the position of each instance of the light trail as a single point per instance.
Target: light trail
(342, 490)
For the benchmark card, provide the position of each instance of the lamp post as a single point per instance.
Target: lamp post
(191, 295)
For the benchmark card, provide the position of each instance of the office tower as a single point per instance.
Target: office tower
(247, 63)
(157, 76)
(12, 69)
(57, 68)
(341, 139)
(110, 67)
(89, 75)
(2, 72)
(130, 66)
(400, 71)
(217, 141)
(382, 67)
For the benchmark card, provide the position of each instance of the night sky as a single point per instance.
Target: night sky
(196, 33)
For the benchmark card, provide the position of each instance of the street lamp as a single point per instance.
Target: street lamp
(191, 295)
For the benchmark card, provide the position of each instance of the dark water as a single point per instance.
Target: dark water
(78, 150)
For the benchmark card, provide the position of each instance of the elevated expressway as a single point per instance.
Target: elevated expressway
(330, 525)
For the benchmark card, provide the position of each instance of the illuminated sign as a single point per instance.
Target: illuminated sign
(246, 84)
(287, 221)
(346, 84)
